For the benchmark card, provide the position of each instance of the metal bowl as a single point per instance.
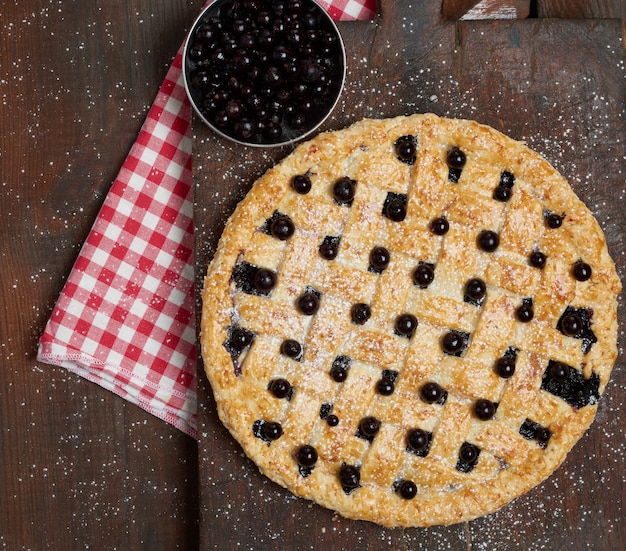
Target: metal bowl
(264, 73)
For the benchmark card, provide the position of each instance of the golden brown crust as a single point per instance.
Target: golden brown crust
(510, 460)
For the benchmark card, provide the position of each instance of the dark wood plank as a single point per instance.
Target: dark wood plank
(520, 9)
(567, 106)
(485, 9)
(79, 467)
(513, 76)
(455, 9)
(579, 10)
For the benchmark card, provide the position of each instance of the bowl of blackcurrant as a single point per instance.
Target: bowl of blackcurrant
(264, 72)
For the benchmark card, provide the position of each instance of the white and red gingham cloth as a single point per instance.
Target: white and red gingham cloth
(349, 10)
(125, 318)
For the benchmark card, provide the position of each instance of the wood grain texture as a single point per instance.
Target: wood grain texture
(79, 467)
(554, 84)
(498, 9)
(82, 469)
(579, 10)
(485, 9)
(455, 9)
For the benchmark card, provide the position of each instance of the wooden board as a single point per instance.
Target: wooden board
(485, 9)
(557, 84)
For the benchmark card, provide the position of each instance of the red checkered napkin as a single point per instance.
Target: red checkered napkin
(125, 318)
(349, 10)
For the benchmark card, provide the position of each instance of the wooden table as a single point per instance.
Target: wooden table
(82, 469)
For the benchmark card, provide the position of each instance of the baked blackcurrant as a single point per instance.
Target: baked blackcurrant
(581, 271)
(264, 280)
(484, 409)
(360, 313)
(431, 392)
(406, 324)
(280, 388)
(456, 158)
(307, 455)
(439, 226)
(308, 303)
(537, 259)
(488, 240)
(301, 183)
(407, 489)
(379, 258)
(505, 367)
(282, 228)
(343, 190)
(423, 275)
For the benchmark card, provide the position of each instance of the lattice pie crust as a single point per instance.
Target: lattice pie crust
(410, 321)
